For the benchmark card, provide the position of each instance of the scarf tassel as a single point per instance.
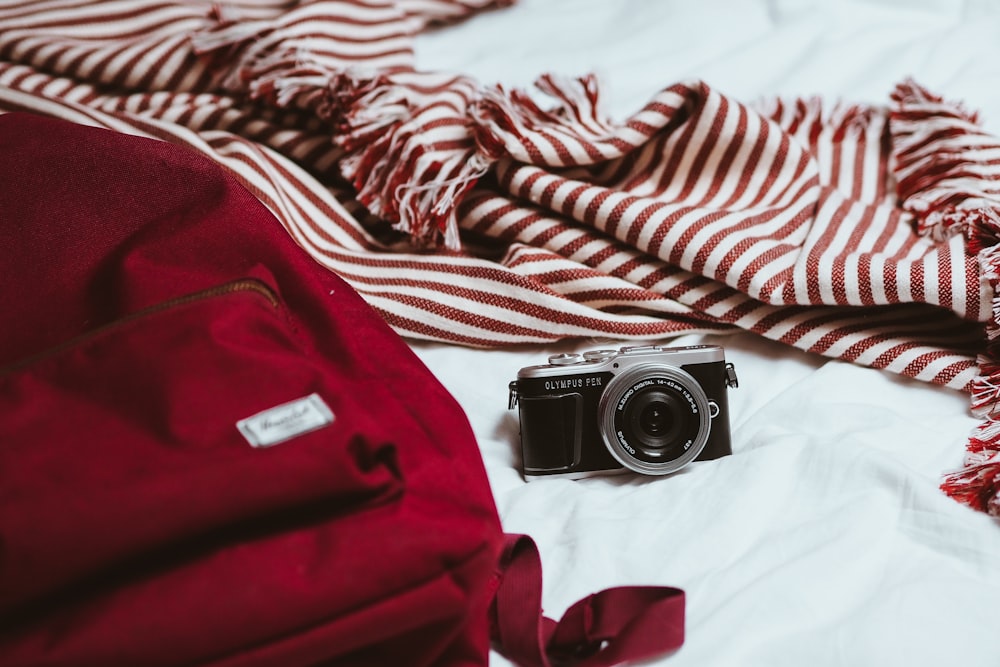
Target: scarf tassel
(937, 150)
(410, 159)
(977, 486)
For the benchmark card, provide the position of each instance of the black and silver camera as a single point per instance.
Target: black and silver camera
(648, 409)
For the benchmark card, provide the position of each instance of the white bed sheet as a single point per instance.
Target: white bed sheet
(824, 539)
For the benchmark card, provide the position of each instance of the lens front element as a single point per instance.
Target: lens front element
(654, 419)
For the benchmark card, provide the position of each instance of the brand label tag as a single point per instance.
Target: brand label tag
(286, 421)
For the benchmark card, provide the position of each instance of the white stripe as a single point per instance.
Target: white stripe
(834, 250)
(755, 184)
(711, 176)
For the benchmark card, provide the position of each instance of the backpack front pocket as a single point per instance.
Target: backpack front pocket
(125, 444)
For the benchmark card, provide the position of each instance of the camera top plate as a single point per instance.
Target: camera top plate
(610, 359)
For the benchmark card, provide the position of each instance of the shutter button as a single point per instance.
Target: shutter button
(599, 355)
(567, 359)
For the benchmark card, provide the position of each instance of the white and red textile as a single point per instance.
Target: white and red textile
(487, 221)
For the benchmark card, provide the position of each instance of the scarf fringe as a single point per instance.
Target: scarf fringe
(940, 179)
(410, 154)
(507, 121)
(977, 486)
(405, 173)
(228, 30)
(229, 44)
(809, 117)
(949, 189)
(416, 143)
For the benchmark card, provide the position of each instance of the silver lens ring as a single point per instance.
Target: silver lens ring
(614, 409)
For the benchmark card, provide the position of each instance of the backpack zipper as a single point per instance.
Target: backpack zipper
(243, 285)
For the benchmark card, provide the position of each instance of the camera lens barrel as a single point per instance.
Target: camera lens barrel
(654, 418)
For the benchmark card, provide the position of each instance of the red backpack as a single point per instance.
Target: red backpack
(213, 452)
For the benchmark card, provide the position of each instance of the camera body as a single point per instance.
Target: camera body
(648, 409)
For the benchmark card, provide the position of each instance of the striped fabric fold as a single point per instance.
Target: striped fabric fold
(484, 216)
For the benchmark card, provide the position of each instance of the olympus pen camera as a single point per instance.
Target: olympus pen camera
(648, 409)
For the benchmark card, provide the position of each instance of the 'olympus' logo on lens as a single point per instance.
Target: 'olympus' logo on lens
(574, 383)
(624, 443)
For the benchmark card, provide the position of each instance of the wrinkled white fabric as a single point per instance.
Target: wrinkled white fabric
(824, 539)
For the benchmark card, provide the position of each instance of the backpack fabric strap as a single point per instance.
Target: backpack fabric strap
(607, 628)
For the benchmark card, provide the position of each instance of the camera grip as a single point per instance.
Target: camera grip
(551, 432)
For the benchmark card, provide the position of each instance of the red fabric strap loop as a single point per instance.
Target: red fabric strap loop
(606, 628)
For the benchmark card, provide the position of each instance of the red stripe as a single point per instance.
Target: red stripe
(728, 156)
(762, 134)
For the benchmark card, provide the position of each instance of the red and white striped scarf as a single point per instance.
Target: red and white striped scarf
(481, 216)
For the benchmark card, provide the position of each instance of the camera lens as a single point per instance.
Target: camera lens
(654, 419)
(655, 423)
